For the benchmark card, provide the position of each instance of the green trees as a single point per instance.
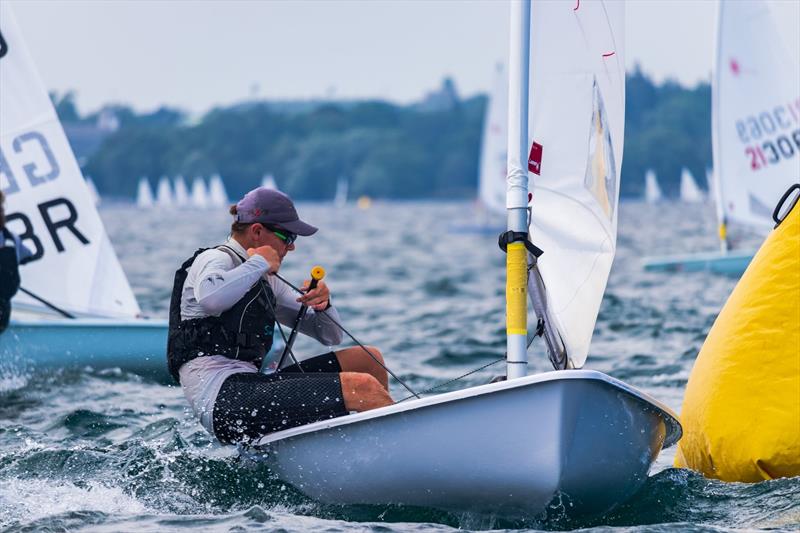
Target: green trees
(384, 150)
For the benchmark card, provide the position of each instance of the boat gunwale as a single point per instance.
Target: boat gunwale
(671, 420)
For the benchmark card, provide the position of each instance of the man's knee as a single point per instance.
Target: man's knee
(363, 392)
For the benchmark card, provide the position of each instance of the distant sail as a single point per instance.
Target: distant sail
(217, 197)
(690, 192)
(755, 106)
(576, 129)
(652, 192)
(268, 181)
(494, 147)
(144, 195)
(181, 192)
(93, 190)
(199, 193)
(74, 268)
(164, 193)
(341, 192)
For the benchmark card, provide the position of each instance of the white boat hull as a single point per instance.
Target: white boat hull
(511, 448)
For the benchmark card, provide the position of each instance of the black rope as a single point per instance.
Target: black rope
(283, 335)
(440, 385)
(341, 327)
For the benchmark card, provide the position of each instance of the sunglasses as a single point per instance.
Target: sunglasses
(287, 237)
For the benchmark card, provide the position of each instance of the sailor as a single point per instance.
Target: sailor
(223, 310)
(12, 254)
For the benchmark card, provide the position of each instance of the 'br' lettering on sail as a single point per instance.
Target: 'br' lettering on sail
(59, 216)
(31, 152)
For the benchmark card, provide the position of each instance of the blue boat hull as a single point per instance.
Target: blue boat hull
(730, 263)
(134, 345)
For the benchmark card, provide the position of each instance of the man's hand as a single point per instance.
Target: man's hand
(268, 253)
(318, 298)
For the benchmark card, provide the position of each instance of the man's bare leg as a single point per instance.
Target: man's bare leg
(354, 359)
(363, 392)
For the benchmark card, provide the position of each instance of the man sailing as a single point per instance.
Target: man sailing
(222, 320)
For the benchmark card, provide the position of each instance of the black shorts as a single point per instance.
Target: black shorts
(250, 404)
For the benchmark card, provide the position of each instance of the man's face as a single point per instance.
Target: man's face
(263, 236)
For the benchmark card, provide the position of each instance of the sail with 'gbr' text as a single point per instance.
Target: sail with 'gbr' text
(48, 203)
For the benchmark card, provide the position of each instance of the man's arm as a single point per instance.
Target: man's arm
(219, 286)
(316, 324)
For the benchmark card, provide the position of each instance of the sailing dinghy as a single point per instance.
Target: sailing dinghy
(74, 270)
(756, 133)
(578, 437)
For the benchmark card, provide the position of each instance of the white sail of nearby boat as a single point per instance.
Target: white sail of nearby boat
(199, 193)
(576, 128)
(54, 193)
(690, 192)
(217, 197)
(181, 192)
(144, 194)
(93, 190)
(268, 182)
(164, 193)
(652, 192)
(755, 114)
(340, 199)
(494, 152)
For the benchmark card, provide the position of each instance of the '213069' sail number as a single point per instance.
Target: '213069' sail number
(773, 151)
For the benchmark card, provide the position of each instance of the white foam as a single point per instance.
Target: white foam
(26, 500)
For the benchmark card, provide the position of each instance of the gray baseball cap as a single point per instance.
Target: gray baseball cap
(273, 208)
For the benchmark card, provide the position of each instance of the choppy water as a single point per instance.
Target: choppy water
(109, 451)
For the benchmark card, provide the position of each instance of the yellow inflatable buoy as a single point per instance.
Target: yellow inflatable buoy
(741, 412)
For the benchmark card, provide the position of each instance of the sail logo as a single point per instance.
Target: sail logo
(766, 136)
(535, 159)
(3, 46)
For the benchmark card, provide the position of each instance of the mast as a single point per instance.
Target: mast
(722, 226)
(517, 190)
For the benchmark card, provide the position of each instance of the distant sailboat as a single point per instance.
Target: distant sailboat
(217, 197)
(144, 195)
(181, 192)
(340, 200)
(164, 193)
(75, 307)
(652, 192)
(93, 190)
(199, 193)
(690, 192)
(268, 182)
(755, 88)
(491, 205)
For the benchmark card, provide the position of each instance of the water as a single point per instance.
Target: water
(109, 451)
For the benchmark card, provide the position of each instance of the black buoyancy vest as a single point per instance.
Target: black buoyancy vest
(9, 268)
(242, 332)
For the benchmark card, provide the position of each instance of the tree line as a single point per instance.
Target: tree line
(384, 150)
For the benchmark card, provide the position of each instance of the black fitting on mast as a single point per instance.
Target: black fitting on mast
(518, 236)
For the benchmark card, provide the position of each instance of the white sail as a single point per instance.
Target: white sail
(268, 182)
(93, 190)
(652, 192)
(575, 139)
(340, 199)
(217, 197)
(144, 194)
(48, 203)
(164, 193)
(181, 191)
(690, 192)
(494, 151)
(199, 193)
(755, 113)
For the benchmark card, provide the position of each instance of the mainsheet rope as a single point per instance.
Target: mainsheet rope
(413, 393)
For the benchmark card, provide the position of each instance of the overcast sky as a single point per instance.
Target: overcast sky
(197, 54)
